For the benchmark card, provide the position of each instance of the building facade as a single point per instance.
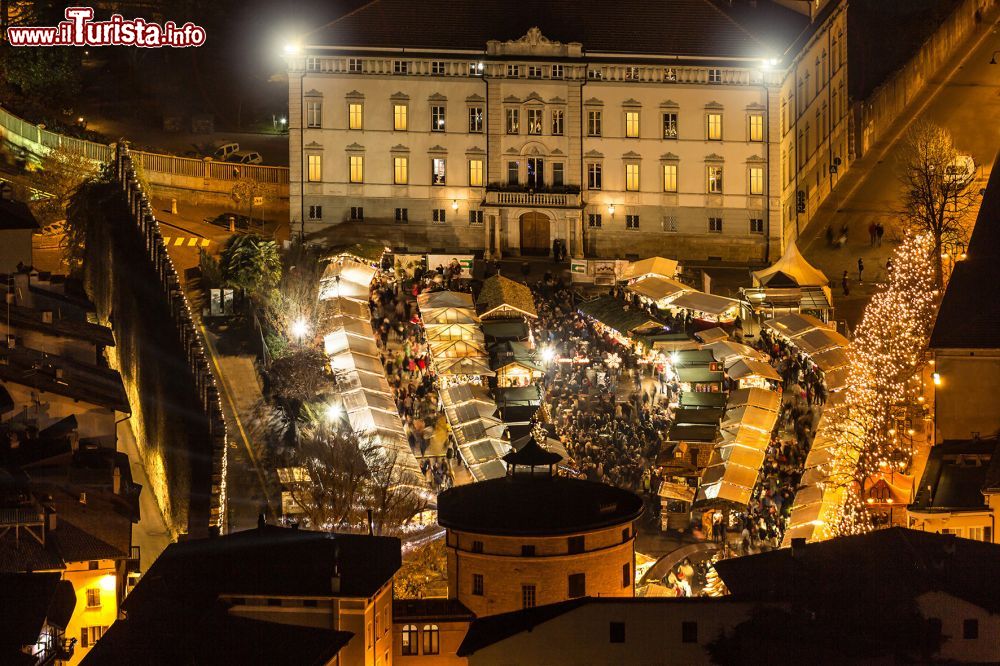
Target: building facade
(519, 130)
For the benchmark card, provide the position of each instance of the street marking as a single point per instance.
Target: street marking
(179, 241)
(186, 241)
(192, 242)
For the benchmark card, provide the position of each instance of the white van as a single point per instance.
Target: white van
(224, 150)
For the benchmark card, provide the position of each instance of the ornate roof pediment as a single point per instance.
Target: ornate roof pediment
(399, 148)
(632, 103)
(511, 99)
(714, 106)
(669, 157)
(594, 154)
(354, 94)
(475, 98)
(669, 104)
(533, 43)
(593, 101)
(631, 155)
(474, 150)
(355, 147)
(714, 157)
(399, 97)
(437, 149)
(557, 100)
(437, 97)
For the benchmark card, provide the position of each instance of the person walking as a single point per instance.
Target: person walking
(872, 232)
(861, 270)
(843, 282)
(888, 266)
(879, 232)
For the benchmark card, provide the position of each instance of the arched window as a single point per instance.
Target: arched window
(432, 639)
(410, 638)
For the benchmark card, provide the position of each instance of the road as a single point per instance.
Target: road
(964, 97)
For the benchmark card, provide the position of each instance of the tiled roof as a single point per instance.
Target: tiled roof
(79, 381)
(498, 291)
(969, 317)
(76, 545)
(691, 28)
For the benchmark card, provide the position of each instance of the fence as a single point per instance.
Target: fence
(147, 227)
(162, 170)
(880, 111)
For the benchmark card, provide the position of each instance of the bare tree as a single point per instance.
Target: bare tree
(937, 192)
(348, 475)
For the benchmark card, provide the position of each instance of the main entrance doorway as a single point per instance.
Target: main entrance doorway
(535, 234)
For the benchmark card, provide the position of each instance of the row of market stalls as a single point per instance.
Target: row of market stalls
(818, 342)
(461, 363)
(349, 342)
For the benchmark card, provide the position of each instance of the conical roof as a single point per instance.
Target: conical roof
(792, 270)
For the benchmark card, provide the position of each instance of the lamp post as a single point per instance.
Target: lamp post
(293, 49)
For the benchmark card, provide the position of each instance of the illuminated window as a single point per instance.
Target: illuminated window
(438, 165)
(534, 121)
(400, 170)
(756, 127)
(669, 177)
(632, 124)
(670, 125)
(315, 168)
(355, 115)
(714, 127)
(513, 117)
(756, 180)
(475, 173)
(409, 638)
(714, 176)
(432, 639)
(632, 177)
(357, 169)
(399, 117)
(557, 123)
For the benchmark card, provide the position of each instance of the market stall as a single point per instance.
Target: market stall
(503, 298)
(651, 266)
(790, 285)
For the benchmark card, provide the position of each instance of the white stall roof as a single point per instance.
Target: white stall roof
(658, 288)
(748, 367)
(707, 303)
(793, 324)
(755, 397)
(656, 266)
(712, 335)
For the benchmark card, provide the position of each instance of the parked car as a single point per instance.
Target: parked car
(223, 151)
(962, 170)
(245, 157)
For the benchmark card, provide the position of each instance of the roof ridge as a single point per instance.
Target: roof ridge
(732, 20)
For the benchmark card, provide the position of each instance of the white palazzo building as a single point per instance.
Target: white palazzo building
(696, 129)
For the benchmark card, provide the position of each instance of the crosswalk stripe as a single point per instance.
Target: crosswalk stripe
(205, 242)
(188, 241)
(179, 241)
(192, 242)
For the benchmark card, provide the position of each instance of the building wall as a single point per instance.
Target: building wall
(684, 214)
(966, 402)
(953, 613)
(106, 581)
(505, 570)
(653, 634)
(450, 636)
(978, 525)
(73, 348)
(813, 114)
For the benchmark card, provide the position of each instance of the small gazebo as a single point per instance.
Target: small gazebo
(532, 454)
(790, 284)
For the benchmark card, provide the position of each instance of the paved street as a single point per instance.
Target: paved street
(964, 98)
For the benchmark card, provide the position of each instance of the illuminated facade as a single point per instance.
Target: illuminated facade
(507, 130)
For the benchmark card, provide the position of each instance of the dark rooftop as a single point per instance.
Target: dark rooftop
(78, 381)
(441, 609)
(192, 635)
(31, 318)
(536, 505)
(969, 317)
(272, 561)
(688, 28)
(531, 454)
(894, 564)
(955, 476)
(27, 602)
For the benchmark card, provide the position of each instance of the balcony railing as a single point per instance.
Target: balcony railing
(539, 199)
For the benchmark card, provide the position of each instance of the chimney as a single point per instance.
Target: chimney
(46, 316)
(116, 481)
(798, 546)
(371, 524)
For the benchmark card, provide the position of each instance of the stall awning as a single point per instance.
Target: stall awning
(501, 294)
(658, 288)
(445, 299)
(745, 436)
(818, 340)
(836, 379)
(831, 359)
(338, 341)
(752, 417)
(655, 266)
(445, 332)
(695, 399)
(711, 335)
(697, 416)
(432, 316)
(682, 432)
(791, 270)
(793, 324)
(748, 367)
(615, 314)
(505, 329)
(754, 397)
(707, 303)
(698, 375)
(728, 352)
(465, 365)
(462, 348)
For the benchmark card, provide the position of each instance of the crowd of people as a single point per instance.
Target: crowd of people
(794, 367)
(610, 440)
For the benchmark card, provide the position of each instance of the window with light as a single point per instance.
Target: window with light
(399, 117)
(669, 177)
(400, 170)
(632, 124)
(756, 180)
(315, 163)
(632, 177)
(756, 127)
(357, 169)
(714, 174)
(355, 113)
(714, 127)
(475, 173)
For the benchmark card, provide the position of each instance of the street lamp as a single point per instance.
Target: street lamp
(611, 210)
(333, 412)
(548, 354)
(292, 48)
(454, 204)
(300, 329)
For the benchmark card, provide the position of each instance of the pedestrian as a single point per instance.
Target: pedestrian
(843, 282)
(888, 266)
(872, 233)
(861, 270)
(525, 269)
(879, 232)
(829, 235)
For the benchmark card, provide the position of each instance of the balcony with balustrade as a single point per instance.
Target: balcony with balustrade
(506, 195)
